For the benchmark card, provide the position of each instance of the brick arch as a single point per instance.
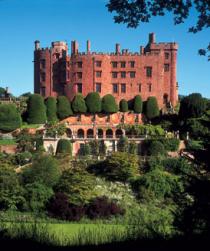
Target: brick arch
(80, 133)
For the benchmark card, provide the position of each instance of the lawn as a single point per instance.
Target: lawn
(7, 142)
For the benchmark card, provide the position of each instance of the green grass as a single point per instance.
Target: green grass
(7, 142)
(28, 126)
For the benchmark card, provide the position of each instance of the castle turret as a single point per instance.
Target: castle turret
(37, 45)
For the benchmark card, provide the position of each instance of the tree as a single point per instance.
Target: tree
(133, 148)
(137, 104)
(152, 109)
(63, 107)
(156, 148)
(135, 12)
(10, 190)
(192, 106)
(2, 92)
(10, 119)
(123, 144)
(93, 102)
(109, 104)
(51, 107)
(121, 166)
(123, 105)
(36, 109)
(78, 104)
(64, 147)
(44, 170)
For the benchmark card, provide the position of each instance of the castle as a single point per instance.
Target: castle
(149, 72)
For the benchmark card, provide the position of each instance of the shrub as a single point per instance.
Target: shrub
(51, 107)
(137, 104)
(109, 104)
(44, 170)
(101, 207)
(23, 158)
(64, 146)
(78, 104)
(152, 109)
(192, 106)
(10, 119)
(123, 145)
(63, 107)
(59, 207)
(156, 148)
(123, 105)
(178, 166)
(170, 144)
(36, 109)
(133, 148)
(93, 102)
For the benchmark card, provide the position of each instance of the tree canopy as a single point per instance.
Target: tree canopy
(51, 109)
(63, 107)
(93, 102)
(109, 104)
(78, 104)
(135, 12)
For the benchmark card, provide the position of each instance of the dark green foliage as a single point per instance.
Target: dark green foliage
(37, 195)
(2, 92)
(137, 104)
(133, 148)
(85, 149)
(77, 184)
(102, 207)
(10, 189)
(63, 107)
(94, 146)
(10, 119)
(123, 105)
(44, 170)
(192, 106)
(152, 109)
(123, 145)
(36, 109)
(51, 107)
(93, 102)
(178, 166)
(120, 166)
(156, 148)
(109, 104)
(23, 158)
(78, 104)
(170, 144)
(64, 147)
(197, 128)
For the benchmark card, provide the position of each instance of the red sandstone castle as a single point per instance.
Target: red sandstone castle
(149, 72)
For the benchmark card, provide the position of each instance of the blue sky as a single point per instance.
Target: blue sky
(24, 21)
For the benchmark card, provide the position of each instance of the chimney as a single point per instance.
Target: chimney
(141, 50)
(74, 47)
(37, 45)
(88, 46)
(152, 38)
(117, 50)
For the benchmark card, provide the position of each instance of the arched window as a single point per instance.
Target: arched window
(69, 133)
(119, 133)
(100, 133)
(90, 133)
(80, 133)
(109, 133)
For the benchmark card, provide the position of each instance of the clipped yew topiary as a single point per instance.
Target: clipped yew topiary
(63, 107)
(93, 102)
(152, 109)
(109, 104)
(137, 104)
(10, 118)
(123, 105)
(78, 104)
(51, 109)
(64, 147)
(36, 109)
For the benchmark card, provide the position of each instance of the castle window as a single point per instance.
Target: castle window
(114, 74)
(115, 88)
(98, 63)
(57, 55)
(79, 64)
(114, 64)
(123, 74)
(123, 88)
(43, 63)
(166, 67)
(132, 74)
(149, 71)
(98, 87)
(98, 74)
(79, 74)
(139, 87)
(79, 87)
(123, 64)
(43, 77)
(43, 93)
(149, 87)
(166, 55)
(132, 64)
